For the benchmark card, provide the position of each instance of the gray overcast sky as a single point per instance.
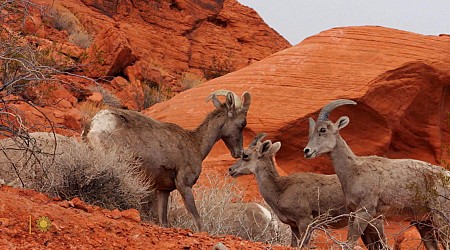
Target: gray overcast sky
(297, 19)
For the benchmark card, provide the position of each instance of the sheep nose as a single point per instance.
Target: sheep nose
(230, 169)
(306, 150)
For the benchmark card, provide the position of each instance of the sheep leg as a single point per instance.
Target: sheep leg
(357, 226)
(427, 233)
(373, 236)
(189, 203)
(295, 235)
(163, 200)
(303, 226)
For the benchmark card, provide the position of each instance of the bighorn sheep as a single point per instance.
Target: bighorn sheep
(172, 156)
(250, 221)
(375, 186)
(299, 198)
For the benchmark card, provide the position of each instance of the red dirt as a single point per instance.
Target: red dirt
(76, 225)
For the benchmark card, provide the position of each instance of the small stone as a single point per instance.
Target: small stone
(114, 214)
(5, 222)
(219, 246)
(78, 204)
(132, 214)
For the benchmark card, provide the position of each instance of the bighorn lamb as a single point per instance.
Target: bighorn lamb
(374, 186)
(299, 198)
(172, 156)
(250, 221)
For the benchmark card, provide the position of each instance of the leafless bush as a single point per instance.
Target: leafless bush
(219, 218)
(110, 179)
(154, 94)
(219, 67)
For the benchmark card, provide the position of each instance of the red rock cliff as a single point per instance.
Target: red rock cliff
(173, 36)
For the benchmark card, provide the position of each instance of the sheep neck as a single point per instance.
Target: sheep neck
(208, 132)
(343, 159)
(267, 179)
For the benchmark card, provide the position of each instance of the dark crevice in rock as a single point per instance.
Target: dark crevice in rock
(216, 21)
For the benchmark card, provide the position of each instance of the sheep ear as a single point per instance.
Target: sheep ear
(246, 100)
(216, 101)
(230, 103)
(264, 147)
(342, 122)
(275, 147)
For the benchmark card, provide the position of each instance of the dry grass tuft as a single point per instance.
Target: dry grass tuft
(190, 80)
(63, 19)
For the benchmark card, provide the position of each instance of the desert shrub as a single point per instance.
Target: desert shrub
(108, 98)
(190, 80)
(213, 205)
(81, 38)
(110, 179)
(154, 94)
(218, 67)
(63, 19)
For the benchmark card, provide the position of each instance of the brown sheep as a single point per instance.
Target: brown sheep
(172, 156)
(375, 186)
(299, 198)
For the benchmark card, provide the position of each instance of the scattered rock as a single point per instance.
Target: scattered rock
(78, 204)
(219, 246)
(132, 214)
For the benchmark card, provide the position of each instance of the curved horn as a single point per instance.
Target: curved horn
(224, 92)
(326, 110)
(257, 138)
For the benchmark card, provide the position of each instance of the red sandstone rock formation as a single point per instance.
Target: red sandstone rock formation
(137, 43)
(400, 80)
(173, 36)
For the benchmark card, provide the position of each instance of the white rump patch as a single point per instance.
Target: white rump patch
(103, 121)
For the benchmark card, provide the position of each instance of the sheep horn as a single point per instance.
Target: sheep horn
(257, 138)
(224, 92)
(326, 110)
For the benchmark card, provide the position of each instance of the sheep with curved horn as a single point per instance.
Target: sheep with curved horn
(298, 198)
(374, 186)
(172, 156)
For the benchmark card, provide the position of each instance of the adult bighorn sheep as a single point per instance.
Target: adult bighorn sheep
(299, 198)
(374, 186)
(172, 156)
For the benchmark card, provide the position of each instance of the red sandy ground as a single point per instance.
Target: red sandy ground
(76, 225)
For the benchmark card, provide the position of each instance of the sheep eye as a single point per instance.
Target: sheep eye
(244, 156)
(322, 130)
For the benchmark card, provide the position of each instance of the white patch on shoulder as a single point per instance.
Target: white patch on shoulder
(266, 212)
(103, 121)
